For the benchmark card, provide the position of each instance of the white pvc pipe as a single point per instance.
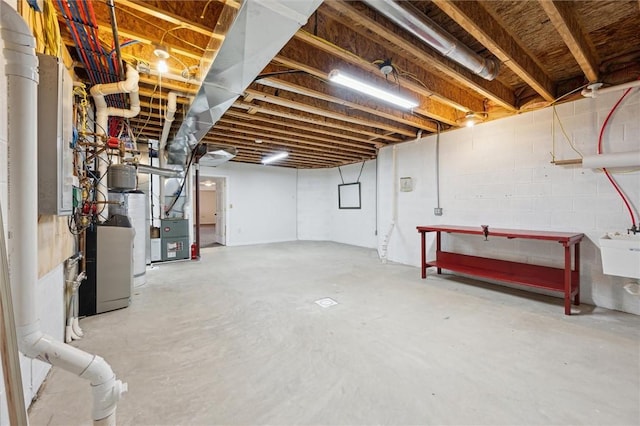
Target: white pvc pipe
(98, 92)
(22, 81)
(593, 92)
(613, 160)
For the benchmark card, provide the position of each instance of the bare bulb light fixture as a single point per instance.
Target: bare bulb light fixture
(161, 51)
(162, 66)
(275, 157)
(471, 118)
(384, 95)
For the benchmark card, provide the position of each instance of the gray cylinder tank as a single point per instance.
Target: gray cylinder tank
(121, 177)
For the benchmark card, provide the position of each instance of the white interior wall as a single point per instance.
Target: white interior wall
(499, 174)
(319, 217)
(261, 202)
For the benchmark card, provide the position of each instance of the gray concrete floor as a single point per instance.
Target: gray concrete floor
(207, 236)
(236, 338)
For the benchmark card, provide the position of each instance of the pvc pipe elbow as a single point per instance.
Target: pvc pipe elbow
(106, 397)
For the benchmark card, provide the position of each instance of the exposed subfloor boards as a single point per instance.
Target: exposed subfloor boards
(236, 338)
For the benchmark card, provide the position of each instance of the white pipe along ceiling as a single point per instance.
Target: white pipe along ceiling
(98, 92)
(261, 28)
(22, 82)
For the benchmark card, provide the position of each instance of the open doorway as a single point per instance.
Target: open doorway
(212, 212)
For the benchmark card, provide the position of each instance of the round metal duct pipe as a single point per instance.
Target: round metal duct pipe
(432, 34)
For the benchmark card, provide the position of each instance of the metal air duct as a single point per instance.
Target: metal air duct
(261, 28)
(415, 22)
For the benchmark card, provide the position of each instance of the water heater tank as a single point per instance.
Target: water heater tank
(121, 177)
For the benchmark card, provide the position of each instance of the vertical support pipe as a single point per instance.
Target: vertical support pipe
(196, 213)
(116, 39)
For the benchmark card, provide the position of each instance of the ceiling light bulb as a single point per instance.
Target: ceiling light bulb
(162, 66)
(161, 51)
(352, 83)
(470, 119)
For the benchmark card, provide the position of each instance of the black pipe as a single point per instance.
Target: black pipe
(116, 40)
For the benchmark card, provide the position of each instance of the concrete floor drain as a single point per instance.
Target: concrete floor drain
(326, 302)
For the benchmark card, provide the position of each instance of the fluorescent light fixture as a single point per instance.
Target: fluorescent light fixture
(352, 83)
(162, 66)
(275, 157)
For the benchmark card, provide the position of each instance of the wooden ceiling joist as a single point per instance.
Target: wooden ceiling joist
(488, 31)
(566, 23)
(183, 88)
(493, 90)
(247, 142)
(308, 129)
(302, 137)
(172, 18)
(408, 120)
(283, 113)
(299, 106)
(301, 144)
(144, 38)
(245, 145)
(443, 113)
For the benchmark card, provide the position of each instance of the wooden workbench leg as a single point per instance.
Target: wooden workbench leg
(423, 263)
(576, 262)
(438, 241)
(567, 280)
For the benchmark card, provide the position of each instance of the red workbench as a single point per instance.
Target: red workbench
(562, 280)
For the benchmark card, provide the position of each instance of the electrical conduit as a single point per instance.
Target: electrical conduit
(22, 81)
(99, 91)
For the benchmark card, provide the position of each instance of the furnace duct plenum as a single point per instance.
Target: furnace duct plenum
(21, 69)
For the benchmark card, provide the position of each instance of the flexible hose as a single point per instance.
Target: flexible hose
(606, 172)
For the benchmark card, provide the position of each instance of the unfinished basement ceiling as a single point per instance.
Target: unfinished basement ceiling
(544, 48)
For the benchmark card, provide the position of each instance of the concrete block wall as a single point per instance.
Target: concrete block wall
(318, 215)
(499, 174)
(317, 201)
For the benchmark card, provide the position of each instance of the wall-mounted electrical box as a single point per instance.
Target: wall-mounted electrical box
(55, 135)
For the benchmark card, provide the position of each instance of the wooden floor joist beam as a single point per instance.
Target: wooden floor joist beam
(480, 24)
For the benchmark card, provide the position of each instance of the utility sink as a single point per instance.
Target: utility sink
(621, 254)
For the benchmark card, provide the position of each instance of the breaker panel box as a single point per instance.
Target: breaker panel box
(55, 135)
